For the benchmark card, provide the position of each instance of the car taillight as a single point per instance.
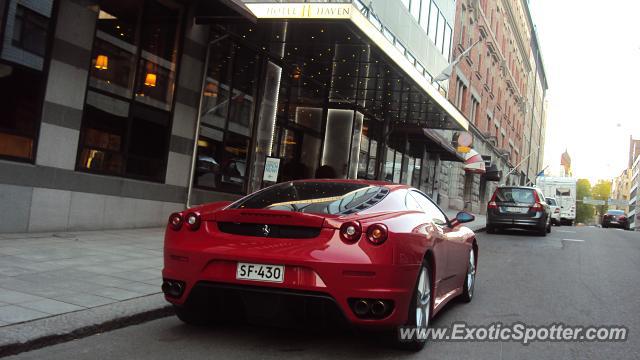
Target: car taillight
(537, 207)
(377, 234)
(622, 218)
(350, 232)
(557, 211)
(492, 203)
(175, 221)
(193, 221)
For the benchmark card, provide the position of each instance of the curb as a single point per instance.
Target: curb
(57, 329)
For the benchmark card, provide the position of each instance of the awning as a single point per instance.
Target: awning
(474, 163)
(427, 106)
(221, 11)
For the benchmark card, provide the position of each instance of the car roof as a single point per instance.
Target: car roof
(518, 187)
(390, 186)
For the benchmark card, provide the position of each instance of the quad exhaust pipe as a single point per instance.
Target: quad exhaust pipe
(378, 308)
(361, 307)
(371, 308)
(172, 288)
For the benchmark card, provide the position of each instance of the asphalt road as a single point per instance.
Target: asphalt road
(521, 278)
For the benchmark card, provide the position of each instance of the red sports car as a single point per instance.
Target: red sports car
(382, 255)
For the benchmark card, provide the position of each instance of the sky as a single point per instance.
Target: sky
(591, 53)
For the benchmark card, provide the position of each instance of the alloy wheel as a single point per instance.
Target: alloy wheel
(423, 299)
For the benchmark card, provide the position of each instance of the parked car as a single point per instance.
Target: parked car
(615, 218)
(368, 250)
(518, 207)
(554, 209)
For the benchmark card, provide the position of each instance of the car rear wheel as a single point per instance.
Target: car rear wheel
(419, 311)
(491, 229)
(542, 230)
(549, 228)
(470, 279)
(190, 315)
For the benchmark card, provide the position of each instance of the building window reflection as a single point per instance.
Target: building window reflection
(27, 36)
(127, 121)
(226, 119)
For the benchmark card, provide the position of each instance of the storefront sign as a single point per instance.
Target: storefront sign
(301, 11)
(271, 167)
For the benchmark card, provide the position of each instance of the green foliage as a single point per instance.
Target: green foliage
(584, 212)
(601, 191)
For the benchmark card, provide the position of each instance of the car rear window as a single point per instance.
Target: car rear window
(515, 195)
(315, 197)
(551, 201)
(615, 212)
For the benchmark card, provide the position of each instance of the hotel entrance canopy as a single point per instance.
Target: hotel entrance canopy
(374, 70)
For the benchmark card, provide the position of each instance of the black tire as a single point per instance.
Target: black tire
(191, 316)
(549, 228)
(542, 230)
(467, 290)
(416, 344)
(491, 229)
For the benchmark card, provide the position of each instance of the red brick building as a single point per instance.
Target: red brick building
(500, 87)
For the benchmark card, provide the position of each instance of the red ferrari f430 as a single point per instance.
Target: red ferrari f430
(380, 255)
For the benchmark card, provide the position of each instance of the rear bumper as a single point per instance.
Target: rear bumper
(623, 225)
(516, 223)
(336, 271)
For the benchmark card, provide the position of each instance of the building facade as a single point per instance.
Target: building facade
(500, 86)
(105, 103)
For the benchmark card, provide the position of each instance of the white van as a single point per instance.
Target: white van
(563, 189)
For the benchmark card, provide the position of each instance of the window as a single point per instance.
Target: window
(227, 102)
(461, 94)
(22, 84)
(474, 110)
(315, 197)
(414, 9)
(424, 15)
(368, 150)
(442, 25)
(446, 50)
(431, 209)
(433, 23)
(30, 30)
(21, 95)
(126, 123)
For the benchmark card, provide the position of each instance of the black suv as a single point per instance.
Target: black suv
(518, 207)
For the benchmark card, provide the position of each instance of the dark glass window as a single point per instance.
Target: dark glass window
(30, 30)
(225, 129)
(22, 81)
(515, 195)
(126, 124)
(20, 100)
(314, 197)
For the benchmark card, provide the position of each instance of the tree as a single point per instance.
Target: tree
(584, 212)
(602, 191)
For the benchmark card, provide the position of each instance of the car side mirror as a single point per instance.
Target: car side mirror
(461, 218)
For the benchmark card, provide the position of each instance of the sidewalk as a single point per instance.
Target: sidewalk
(57, 284)
(54, 287)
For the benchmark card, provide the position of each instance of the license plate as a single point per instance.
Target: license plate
(517, 210)
(613, 222)
(260, 272)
